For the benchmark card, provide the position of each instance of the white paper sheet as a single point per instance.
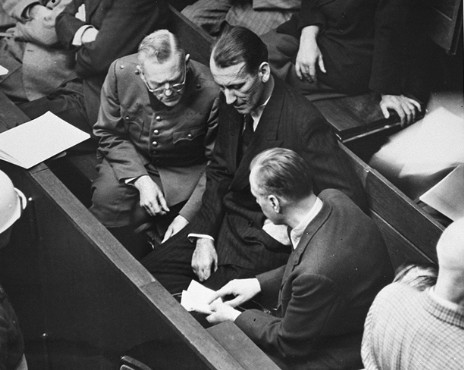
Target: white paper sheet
(197, 298)
(35, 141)
(3, 71)
(447, 196)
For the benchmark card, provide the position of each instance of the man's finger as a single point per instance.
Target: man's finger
(321, 64)
(298, 71)
(163, 203)
(416, 104)
(385, 111)
(234, 302)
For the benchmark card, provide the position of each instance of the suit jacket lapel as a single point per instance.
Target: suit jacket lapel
(265, 136)
(308, 235)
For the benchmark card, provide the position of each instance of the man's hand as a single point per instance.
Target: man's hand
(222, 312)
(309, 55)
(176, 225)
(242, 289)
(39, 28)
(404, 106)
(151, 196)
(204, 259)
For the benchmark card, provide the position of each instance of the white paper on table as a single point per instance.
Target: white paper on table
(197, 298)
(35, 141)
(3, 71)
(447, 196)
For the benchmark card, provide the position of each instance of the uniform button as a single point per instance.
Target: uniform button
(155, 143)
(121, 66)
(189, 136)
(158, 118)
(155, 152)
(127, 118)
(156, 132)
(198, 86)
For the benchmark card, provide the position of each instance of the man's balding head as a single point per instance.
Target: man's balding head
(450, 248)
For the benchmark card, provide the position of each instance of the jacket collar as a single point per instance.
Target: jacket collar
(310, 231)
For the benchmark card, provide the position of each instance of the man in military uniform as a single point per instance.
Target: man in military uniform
(156, 127)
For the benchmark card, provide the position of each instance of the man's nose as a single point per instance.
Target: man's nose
(167, 89)
(230, 96)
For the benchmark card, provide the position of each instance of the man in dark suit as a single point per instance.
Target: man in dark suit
(230, 237)
(338, 264)
(99, 31)
(356, 46)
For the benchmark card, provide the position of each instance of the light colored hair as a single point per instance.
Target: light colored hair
(159, 46)
(282, 172)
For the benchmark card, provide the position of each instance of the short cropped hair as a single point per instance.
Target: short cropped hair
(159, 46)
(238, 44)
(284, 173)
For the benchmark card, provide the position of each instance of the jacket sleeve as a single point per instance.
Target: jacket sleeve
(124, 25)
(218, 179)
(310, 15)
(390, 22)
(192, 206)
(330, 165)
(112, 132)
(314, 302)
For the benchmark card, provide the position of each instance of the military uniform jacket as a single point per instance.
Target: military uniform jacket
(135, 129)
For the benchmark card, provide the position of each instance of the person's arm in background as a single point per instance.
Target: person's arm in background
(388, 72)
(119, 32)
(310, 21)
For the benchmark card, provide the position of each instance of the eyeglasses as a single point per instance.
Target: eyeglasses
(175, 87)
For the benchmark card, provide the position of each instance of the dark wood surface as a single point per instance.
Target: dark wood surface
(354, 117)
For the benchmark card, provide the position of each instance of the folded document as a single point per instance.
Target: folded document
(35, 141)
(197, 298)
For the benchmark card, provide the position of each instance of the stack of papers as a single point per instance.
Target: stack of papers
(197, 298)
(35, 141)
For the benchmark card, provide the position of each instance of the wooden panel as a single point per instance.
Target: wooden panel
(87, 291)
(446, 24)
(399, 248)
(353, 117)
(242, 348)
(389, 203)
(193, 39)
(10, 115)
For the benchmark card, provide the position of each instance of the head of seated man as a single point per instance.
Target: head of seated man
(163, 67)
(239, 65)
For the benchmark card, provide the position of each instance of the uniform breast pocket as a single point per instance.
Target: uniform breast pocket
(133, 121)
(188, 136)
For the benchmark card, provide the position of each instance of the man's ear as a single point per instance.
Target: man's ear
(275, 203)
(264, 71)
(187, 58)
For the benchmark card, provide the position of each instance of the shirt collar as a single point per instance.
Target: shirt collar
(258, 112)
(443, 302)
(297, 232)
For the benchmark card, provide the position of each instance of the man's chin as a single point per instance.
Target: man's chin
(170, 102)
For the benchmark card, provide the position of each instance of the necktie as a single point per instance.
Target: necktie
(247, 135)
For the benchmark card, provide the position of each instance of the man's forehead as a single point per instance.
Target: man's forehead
(229, 75)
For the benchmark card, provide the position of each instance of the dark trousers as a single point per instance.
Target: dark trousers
(67, 102)
(171, 265)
